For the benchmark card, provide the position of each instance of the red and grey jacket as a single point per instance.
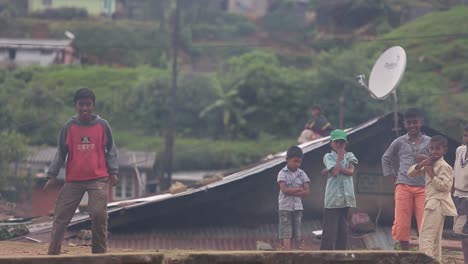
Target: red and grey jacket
(88, 149)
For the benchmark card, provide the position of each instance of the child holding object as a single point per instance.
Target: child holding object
(438, 176)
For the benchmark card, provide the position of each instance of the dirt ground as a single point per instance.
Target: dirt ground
(37, 249)
(452, 257)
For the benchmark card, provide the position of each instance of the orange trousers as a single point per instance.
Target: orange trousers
(407, 199)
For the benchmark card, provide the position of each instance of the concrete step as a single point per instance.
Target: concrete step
(235, 257)
(446, 243)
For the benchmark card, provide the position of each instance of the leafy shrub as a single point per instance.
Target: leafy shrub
(206, 154)
(356, 13)
(456, 72)
(330, 43)
(226, 27)
(63, 13)
(288, 18)
(11, 231)
(210, 22)
(428, 63)
(118, 43)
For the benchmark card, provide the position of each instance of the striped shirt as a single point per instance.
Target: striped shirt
(339, 192)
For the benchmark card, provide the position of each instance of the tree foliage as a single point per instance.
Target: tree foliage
(254, 94)
(14, 149)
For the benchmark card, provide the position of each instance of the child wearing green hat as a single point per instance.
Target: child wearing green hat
(339, 192)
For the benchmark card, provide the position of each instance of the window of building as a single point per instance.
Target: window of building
(46, 52)
(47, 2)
(107, 4)
(12, 54)
(125, 188)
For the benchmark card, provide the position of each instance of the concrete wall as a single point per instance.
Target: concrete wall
(43, 201)
(29, 57)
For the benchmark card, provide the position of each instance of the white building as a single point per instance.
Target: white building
(43, 52)
(249, 8)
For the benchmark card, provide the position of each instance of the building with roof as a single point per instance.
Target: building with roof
(241, 208)
(136, 178)
(249, 8)
(92, 7)
(24, 52)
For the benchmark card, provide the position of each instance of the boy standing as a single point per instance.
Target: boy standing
(438, 177)
(294, 184)
(86, 143)
(460, 194)
(339, 192)
(407, 150)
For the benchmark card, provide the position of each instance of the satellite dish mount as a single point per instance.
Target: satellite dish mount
(385, 77)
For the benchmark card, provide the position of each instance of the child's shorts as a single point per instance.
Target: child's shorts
(290, 224)
(461, 203)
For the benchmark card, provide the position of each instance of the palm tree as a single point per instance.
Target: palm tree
(232, 106)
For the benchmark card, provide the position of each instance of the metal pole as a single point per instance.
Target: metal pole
(396, 126)
(341, 100)
(169, 144)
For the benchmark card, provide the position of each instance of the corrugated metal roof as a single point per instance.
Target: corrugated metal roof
(139, 200)
(265, 165)
(40, 154)
(35, 43)
(193, 175)
(230, 237)
(278, 159)
(235, 238)
(206, 238)
(127, 158)
(224, 237)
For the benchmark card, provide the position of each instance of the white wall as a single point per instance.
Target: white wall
(29, 57)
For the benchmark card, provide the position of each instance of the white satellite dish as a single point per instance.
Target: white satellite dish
(387, 72)
(385, 76)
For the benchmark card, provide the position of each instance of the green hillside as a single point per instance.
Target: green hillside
(437, 70)
(436, 77)
(254, 105)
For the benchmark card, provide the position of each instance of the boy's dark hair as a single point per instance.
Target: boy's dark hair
(316, 107)
(466, 127)
(440, 140)
(413, 113)
(84, 93)
(294, 152)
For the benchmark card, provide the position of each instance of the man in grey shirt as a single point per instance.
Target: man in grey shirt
(410, 194)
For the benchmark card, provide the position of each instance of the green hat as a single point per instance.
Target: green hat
(338, 134)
